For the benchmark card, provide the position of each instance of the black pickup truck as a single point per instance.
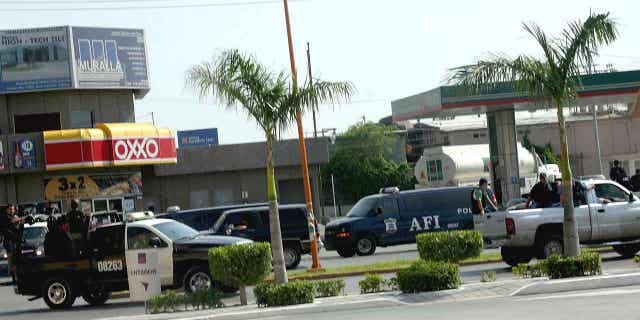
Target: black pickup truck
(101, 268)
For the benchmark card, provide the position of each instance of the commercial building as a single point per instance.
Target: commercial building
(67, 124)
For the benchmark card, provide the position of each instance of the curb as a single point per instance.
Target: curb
(576, 284)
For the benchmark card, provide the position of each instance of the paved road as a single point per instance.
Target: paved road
(618, 303)
(18, 308)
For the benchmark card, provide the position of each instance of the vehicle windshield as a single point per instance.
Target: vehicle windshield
(363, 207)
(34, 234)
(176, 230)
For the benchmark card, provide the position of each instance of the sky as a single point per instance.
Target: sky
(388, 49)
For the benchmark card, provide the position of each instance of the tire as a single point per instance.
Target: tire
(346, 252)
(365, 246)
(515, 256)
(96, 297)
(58, 293)
(627, 250)
(550, 245)
(198, 278)
(292, 257)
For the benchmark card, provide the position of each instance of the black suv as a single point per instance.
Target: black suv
(253, 223)
(203, 219)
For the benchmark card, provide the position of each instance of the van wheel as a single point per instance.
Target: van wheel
(197, 279)
(58, 294)
(291, 257)
(346, 252)
(627, 250)
(550, 245)
(515, 256)
(366, 246)
(96, 297)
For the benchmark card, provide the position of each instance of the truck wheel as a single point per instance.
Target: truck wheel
(346, 252)
(96, 297)
(627, 250)
(58, 294)
(197, 279)
(515, 256)
(366, 246)
(291, 257)
(550, 245)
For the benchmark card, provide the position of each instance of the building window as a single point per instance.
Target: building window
(434, 170)
(37, 122)
(476, 136)
(483, 135)
(636, 167)
(81, 119)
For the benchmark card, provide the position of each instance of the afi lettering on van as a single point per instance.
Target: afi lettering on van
(430, 222)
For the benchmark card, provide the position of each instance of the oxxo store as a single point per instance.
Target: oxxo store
(67, 120)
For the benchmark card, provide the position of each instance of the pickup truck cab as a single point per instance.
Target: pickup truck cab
(102, 269)
(606, 214)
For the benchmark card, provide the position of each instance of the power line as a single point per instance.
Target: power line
(177, 6)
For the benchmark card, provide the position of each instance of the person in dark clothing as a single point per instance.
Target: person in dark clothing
(617, 173)
(480, 199)
(78, 226)
(635, 181)
(542, 194)
(10, 230)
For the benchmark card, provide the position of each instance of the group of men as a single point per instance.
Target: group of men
(619, 175)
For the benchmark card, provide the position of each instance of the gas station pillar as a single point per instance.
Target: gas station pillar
(503, 147)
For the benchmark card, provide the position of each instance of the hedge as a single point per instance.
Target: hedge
(329, 288)
(171, 301)
(450, 246)
(271, 294)
(373, 283)
(425, 276)
(240, 265)
(557, 267)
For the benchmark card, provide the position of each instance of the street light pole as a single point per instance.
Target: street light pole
(303, 149)
(313, 110)
(597, 137)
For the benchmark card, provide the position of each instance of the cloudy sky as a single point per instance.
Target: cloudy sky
(388, 48)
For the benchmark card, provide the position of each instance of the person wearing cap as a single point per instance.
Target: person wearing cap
(617, 172)
(541, 194)
(480, 198)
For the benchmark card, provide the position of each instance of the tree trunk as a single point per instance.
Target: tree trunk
(570, 229)
(243, 295)
(279, 268)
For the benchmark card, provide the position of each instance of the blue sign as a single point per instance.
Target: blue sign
(203, 137)
(34, 60)
(25, 154)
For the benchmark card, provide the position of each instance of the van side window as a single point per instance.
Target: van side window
(413, 202)
(389, 206)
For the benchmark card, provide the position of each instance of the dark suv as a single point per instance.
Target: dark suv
(253, 223)
(203, 219)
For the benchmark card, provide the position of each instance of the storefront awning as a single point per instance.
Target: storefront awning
(109, 145)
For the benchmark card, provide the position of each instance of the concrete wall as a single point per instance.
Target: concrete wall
(106, 105)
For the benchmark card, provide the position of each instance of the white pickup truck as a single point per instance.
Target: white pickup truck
(606, 214)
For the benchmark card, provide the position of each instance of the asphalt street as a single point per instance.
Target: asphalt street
(18, 307)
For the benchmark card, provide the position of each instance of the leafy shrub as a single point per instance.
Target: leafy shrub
(488, 276)
(372, 283)
(450, 246)
(586, 264)
(556, 267)
(636, 259)
(392, 284)
(272, 294)
(240, 265)
(329, 288)
(171, 301)
(425, 276)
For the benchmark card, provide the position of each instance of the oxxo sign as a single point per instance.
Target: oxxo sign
(138, 148)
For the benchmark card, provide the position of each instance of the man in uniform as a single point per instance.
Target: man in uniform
(10, 229)
(78, 226)
(542, 194)
(480, 199)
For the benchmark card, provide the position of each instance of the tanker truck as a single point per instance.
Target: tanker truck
(464, 165)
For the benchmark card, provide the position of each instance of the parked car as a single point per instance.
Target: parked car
(253, 223)
(393, 217)
(33, 237)
(606, 214)
(203, 219)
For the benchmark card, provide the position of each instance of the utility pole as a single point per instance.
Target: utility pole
(595, 130)
(303, 148)
(313, 110)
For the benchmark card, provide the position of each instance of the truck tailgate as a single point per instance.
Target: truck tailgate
(492, 227)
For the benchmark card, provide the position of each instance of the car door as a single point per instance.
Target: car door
(386, 221)
(244, 224)
(108, 263)
(616, 216)
(141, 238)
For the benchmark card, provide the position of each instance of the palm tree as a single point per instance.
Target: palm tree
(553, 80)
(237, 79)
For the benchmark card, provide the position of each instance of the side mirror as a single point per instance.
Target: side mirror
(229, 229)
(155, 242)
(631, 197)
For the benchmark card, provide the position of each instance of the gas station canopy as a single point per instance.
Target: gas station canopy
(601, 88)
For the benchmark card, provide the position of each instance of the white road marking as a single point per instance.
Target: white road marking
(583, 294)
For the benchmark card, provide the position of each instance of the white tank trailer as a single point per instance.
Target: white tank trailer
(464, 165)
